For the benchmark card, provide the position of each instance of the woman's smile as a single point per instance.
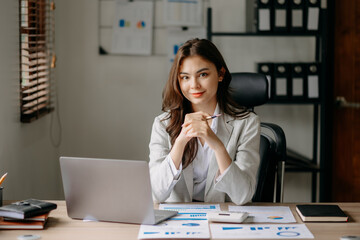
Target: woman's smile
(198, 94)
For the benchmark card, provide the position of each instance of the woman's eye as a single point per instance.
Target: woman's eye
(184, 77)
(203, 74)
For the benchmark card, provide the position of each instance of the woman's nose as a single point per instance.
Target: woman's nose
(194, 83)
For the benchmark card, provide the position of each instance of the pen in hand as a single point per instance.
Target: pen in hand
(2, 178)
(209, 117)
(212, 117)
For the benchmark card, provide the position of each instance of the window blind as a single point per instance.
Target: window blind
(37, 57)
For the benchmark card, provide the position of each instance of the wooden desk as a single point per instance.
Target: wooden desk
(61, 227)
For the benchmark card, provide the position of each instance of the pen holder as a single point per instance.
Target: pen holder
(1, 196)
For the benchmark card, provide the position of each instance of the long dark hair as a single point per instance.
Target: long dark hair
(178, 106)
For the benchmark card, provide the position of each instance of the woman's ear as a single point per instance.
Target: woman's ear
(221, 74)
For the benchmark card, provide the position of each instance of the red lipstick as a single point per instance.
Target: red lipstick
(197, 94)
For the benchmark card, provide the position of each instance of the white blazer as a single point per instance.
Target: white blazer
(241, 137)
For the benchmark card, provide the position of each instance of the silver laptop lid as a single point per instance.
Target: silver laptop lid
(107, 189)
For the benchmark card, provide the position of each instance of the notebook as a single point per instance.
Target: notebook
(109, 190)
(321, 213)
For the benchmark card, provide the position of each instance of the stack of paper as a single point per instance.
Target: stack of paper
(192, 223)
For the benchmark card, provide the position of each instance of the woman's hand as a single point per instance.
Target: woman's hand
(196, 125)
(183, 138)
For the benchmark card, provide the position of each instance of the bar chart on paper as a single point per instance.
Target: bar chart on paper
(259, 231)
(190, 212)
(191, 222)
(182, 229)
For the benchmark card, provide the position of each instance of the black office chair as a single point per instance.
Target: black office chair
(251, 90)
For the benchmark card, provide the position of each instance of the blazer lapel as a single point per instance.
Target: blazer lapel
(188, 174)
(224, 132)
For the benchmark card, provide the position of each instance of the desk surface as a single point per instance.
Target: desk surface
(60, 226)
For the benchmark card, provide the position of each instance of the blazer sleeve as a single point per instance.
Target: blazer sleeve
(239, 182)
(161, 174)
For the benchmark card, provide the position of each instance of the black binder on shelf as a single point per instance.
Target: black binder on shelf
(312, 15)
(264, 15)
(313, 80)
(282, 83)
(298, 79)
(297, 13)
(281, 17)
(268, 70)
(251, 13)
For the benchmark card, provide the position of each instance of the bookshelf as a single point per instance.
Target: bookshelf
(295, 162)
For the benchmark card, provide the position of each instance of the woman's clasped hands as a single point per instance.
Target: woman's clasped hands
(197, 125)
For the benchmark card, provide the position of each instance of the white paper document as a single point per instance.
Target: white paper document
(176, 229)
(177, 37)
(132, 28)
(183, 12)
(190, 223)
(259, 231)
(190, 212)
(189, 207)
(266, 214)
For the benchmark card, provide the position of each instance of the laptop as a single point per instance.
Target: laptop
(109, 190)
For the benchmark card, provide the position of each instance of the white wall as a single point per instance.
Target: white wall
(26, 152)
(108, 103)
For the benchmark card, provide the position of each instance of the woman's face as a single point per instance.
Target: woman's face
(198, 79)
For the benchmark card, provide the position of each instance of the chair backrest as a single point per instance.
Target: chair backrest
(266, 180)
(272, 165)
(251, 90)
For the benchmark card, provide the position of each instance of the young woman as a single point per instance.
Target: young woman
(194, 157)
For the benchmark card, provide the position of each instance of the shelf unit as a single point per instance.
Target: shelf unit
(295, 162)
